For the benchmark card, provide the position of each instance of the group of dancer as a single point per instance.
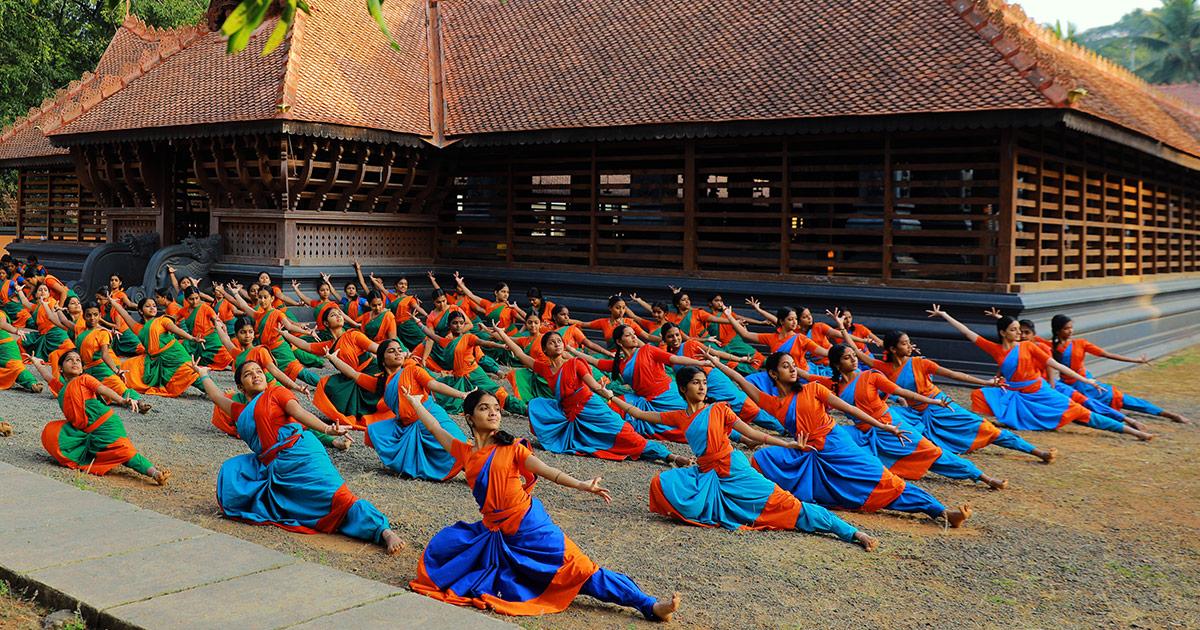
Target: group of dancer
(754, 411)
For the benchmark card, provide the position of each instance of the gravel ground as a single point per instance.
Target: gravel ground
(1104, 537)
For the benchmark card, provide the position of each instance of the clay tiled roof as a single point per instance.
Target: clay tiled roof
(538, 64)
(530, 65)
(1187, 92)
(335, 67)
(26, 137)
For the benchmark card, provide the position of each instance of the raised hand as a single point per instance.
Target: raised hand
(674, 289)
(836, 316)
(752, 302)
(414, 399)
(936, 311)
(993, 312)
(458, 279)
(295, 284)
(170, 270)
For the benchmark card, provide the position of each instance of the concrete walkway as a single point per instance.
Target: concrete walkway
(132, 568)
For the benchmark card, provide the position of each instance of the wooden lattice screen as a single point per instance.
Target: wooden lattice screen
(1087, 209)
(810, 206)
(51, 205)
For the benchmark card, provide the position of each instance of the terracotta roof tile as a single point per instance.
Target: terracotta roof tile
(335, 67)
(1188, 92)
(629, 62)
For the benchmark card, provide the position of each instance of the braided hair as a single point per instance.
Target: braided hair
(1057, 323)
(890, 341)
(618, 332)
(836, 353)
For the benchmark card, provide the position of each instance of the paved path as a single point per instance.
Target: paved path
(133, 568)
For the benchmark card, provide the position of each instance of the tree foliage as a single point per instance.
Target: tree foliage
(1161, 45)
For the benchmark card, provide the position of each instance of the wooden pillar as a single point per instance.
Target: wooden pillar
(509, 209)
(20, 204)
(785, 213)
(49, 205)
(78, 212)
(1006, 236)
(1062, 207)
(689, 205)
(594, 211)
(1138, 226)
(889, 208)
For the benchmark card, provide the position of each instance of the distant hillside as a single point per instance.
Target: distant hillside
(1118, 42)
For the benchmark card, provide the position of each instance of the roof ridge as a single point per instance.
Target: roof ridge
(437, 76)
(138, 27)
(288, 84)
(48, 104)
(998, 25)
(170, 44)
(1001, 18)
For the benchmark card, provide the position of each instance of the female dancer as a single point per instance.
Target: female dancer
(540, 306)
(124, 343)
(859, 331)
(831, 469)
(269, 321)
(572, 334)
(243, 348)
(575, 419)
(92, 437)
(438, 319)
(12, 368)
(906, 452)
(786, 338)
(163, 370)
(378, 323)
(722, 489)
(94, 344)
(720, 388)
(644, 369)
(951, 427)
(458, 352)
(729, 340)
(48, 336)
(515, 561)
(659, 315)
(1026, 402)
(820, 333)
(1073, 352)
(402, 443)
(197, 318)
(618, 316)
(337, 396)
(406, 308)
(288, 480)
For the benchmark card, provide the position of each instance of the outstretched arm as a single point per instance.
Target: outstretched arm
(441, 435)
(297, 412)
(299, 294)
(362, 282)
(762, 438)
(647, 416)
(1120, 357)
(1062, 369)
(937, 311)
(752, 392)
(341, 366)
(42, 368)
(741, 330)
(833, 402)
(512, 346)
(546, 471)
(996, 381)
(757, 306)
(214, 393)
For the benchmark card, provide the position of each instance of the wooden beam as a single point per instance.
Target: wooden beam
(362, 155)
(509, 208)
(594, 211)
(689, 205)
(889, 208)
(21, 204)
(785, 212)
(385, 175)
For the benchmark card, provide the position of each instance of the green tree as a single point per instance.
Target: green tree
(1173, 42)
(1069, 33)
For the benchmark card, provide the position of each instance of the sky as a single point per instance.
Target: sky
(1084, 13)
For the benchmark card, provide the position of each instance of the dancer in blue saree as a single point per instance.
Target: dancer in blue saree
(288, 480)
(722, 489)
(515, 561)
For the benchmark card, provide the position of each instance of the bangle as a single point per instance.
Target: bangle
(202, 379)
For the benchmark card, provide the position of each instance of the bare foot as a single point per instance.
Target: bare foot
(957, 517)
(1140, 435)
(994, 483)
(392, 544)
(144, 407)
(664, 610)
(1140, 426)
(1174, 417)
(341, 443)
(6, 429)
(1047, 457)
(681, 461)
(162, 476)
(868, 544)
(37, 388)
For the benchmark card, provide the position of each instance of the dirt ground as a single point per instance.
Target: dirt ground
(18, 612)
(1104, 537)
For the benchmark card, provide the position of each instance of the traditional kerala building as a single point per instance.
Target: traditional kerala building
(873, 154)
